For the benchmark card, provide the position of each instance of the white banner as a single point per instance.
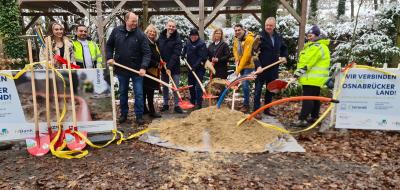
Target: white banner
(369, 100)
(93, 99)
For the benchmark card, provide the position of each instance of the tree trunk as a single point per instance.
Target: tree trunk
(228, 20)
(396, 58)
(352, 9)
(298, 7)
(145, 16)
(375, 5)
(268, 9)
(341, 8)
(313, 10)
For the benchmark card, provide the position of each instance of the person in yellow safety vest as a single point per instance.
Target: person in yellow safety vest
(312, 72)
(87, 52)
(242, 48)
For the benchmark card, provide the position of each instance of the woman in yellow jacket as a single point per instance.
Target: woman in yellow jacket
(242, 47)
(312, 72)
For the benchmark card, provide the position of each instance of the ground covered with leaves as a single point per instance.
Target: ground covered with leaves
(335, 159)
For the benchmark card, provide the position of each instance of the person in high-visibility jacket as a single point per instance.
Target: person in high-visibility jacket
(312, 73)
(87, 52)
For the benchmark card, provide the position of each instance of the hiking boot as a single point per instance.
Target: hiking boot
(178, 109)
(267, 112)
(244, 109)
(301, 123)
(164, 108)
(155, 115)
(122, 118)
(139, 121)
(258, 116)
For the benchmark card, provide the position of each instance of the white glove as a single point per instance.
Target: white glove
(283, 59)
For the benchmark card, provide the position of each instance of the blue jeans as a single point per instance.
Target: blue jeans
(196, 93)
(137, 82)
(246, 87)
(165, 90)
(258, 90)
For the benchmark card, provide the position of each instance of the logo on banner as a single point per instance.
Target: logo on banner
(4, 132)
(383, 122)
(24, 131)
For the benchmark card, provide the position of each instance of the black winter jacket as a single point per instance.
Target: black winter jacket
(195, 53)
(170, 49)
(129, 48)
(270, 53)
(220, 51)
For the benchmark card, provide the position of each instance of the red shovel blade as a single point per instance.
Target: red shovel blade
(74, 141)
(64, 62)
(276, 85)
(184, 88)
(209, 96)
(38, 146)
(185, 105)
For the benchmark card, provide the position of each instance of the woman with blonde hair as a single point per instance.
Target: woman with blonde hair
(58, 41)
(149, 86)
(218, 54)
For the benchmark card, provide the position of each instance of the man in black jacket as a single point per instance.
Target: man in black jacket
(271, 49)
(128, 46)
(170, 48)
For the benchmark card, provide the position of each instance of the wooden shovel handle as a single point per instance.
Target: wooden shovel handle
(35, 111)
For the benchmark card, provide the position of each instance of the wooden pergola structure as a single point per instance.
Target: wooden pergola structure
(200, 13)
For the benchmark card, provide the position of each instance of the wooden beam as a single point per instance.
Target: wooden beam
(145, 16)
(188, 13)
(100, 29)
(191, 21)
(291, 10)
(215, 11)
(34, 19)
(257, 18)
(211, 21)
(115, 11)
(201, 19)
(302, 28)
(80, 8)
(245, 4)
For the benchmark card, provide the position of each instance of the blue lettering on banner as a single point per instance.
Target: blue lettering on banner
(3, 79)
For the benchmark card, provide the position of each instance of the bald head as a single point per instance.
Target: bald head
(270, 24)
(131, 21)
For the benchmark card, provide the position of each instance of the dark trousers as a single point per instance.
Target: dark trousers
(148, 94)
(196, 93)
(260, 81)
(310, 107)
(138, 92)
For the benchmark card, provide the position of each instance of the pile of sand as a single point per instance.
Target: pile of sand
(215, 130)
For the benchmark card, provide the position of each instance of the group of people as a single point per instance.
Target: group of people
(159, 54)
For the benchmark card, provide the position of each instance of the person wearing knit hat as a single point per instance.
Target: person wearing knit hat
(312, 73)
(195, 52)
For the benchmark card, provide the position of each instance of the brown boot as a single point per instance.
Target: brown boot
(244, 109)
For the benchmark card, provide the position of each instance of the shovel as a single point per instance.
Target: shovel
(279, 85)
(74, 141)
(146, 75)
(55, 92)
(205, 94)
(183, 104)
(47, 54)
(38, 145)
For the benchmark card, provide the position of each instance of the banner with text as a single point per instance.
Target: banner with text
(369, 100)
(93, 102)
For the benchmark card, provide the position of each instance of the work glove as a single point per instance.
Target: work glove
(300, 72)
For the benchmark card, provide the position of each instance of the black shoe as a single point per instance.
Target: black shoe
(198, 107)
(146, 111)
(155, 115)
(139, 121)
(301, 123)
(122, 118)
(269, 113)
(178, 109)
(164, 108)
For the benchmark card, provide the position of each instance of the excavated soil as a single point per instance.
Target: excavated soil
(215, 130)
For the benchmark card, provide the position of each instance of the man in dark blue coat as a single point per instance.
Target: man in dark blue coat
(195, 51)
(170, 45)
(127, 45)
(271, 49)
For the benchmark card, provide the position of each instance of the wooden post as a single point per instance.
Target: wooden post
(201, 19)
(145, 16)
(100, 28)
(302, 29)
